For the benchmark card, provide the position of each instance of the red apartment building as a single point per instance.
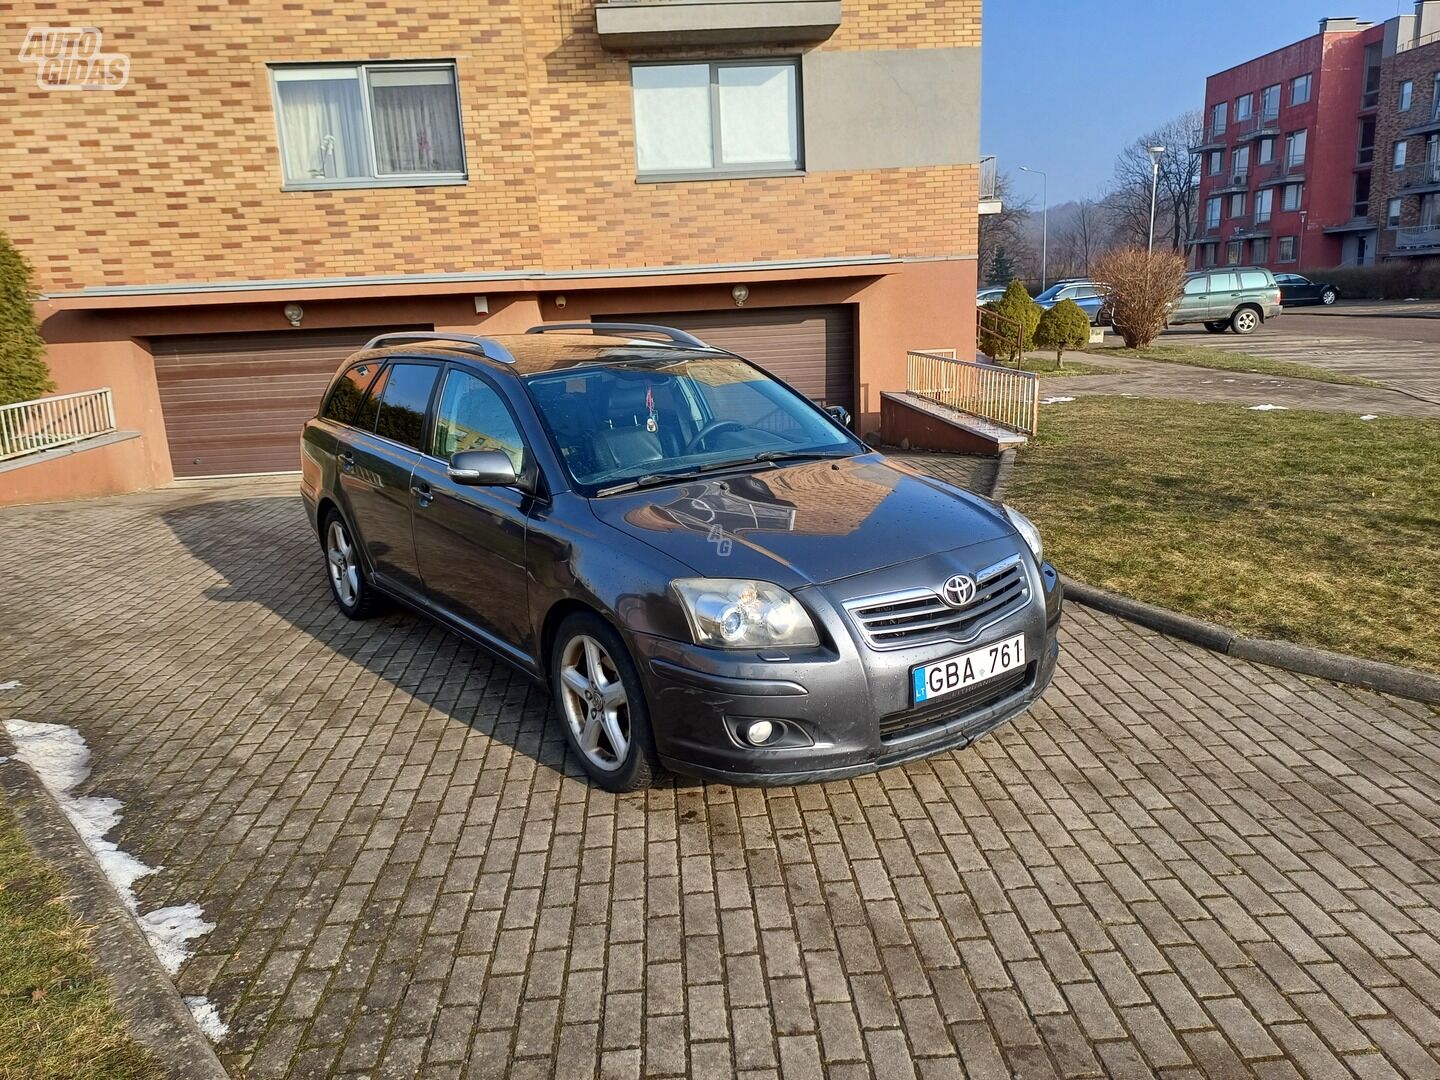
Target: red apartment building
(1288, 151)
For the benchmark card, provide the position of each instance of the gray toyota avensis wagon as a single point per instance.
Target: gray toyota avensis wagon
(709, 571)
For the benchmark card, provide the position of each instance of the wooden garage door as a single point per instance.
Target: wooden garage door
(811, 348)
(235, 403)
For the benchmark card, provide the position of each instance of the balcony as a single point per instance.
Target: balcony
(1425, 127)
(624, 24)
(1257, 126)
(1236, 181)
(1421, 177)
(1280, 171)
(1251, 226)
(1420, 238)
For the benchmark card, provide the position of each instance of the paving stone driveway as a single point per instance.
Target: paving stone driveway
(1179, 864)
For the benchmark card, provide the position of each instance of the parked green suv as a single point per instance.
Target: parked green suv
(1235, 298)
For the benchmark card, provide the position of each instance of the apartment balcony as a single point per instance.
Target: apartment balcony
(1419, 178)
(1251, 227)
(1281, 171)
(1236, 181)
(624, 24)
(1418, 240)
(1426, 127)
(1256, 127)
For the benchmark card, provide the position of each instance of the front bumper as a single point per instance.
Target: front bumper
(827, 705)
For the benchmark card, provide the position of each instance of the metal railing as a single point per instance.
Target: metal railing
(1421, 174)
(1421, 236)
(1416, 42)
(989, 176)
(27, 427)
(1008, 397)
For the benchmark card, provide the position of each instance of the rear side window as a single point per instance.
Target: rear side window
(1254, 279)
(344, 400)
(1225, 282)
(403, 401)
(365, 415)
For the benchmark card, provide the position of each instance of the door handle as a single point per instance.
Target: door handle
(347, 461)
(422, 492)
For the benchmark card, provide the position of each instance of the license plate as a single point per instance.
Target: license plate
(957, 672)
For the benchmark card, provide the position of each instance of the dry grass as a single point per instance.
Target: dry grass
(1046, 369)
(58, 1020)
(1303, 526)
(1222, 360)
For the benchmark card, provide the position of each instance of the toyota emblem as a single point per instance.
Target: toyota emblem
(958, 591)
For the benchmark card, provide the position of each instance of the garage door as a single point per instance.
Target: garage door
(811, 348)
(235, 403)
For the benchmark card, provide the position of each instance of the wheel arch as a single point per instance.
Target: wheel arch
(559, 611)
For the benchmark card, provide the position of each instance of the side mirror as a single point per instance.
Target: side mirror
(482, 468)
(839, 414)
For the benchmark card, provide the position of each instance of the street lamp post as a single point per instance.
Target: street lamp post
(1044, 224)
(1156, 153)
(1300, 246)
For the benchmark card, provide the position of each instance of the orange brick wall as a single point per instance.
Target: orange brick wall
(177, 177)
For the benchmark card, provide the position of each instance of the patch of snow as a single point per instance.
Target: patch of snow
(1369, 416)
(1054, 400)
(1268, 408)
(13, 684)
(206, 1015)
(61, 760)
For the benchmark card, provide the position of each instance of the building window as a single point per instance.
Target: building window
(1209, 254)
(1374, 70)
(1217, 162)
(1401, 148)
(734, 117)
(1285, 249)
(1290, 196)
(1295, 149)
(1266, 151)
(1212, 213)
(1366, 153)
(1240, 164)
(1264, 203)
(1392, 214)
(1259, 251)
(1407, 95)
(1244, 107)
(1237, 205)
(1360, 207)
(1300, 90)
(1435, 98)
(369, 125)
(1270, 102)
(1217, 118)
(1234, 252)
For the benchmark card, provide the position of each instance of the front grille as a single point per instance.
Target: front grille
(889, 622)
(973, 699)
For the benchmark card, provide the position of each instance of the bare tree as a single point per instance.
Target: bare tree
(1080, 238)
(1177, 191)
(1006, 231)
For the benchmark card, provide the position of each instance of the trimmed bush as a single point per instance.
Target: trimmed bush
(1403, 279)
(1141, 287)
(23, 374)
(1064, 326)
(1012, 334)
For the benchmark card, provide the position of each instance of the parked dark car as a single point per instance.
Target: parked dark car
(1295, 290)
(1089, 295)
(710, 572)
(989, 294)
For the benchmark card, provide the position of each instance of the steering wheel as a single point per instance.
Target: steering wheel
(712, 428)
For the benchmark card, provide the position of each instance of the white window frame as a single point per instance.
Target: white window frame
(1248, 111)
(1264, 205)
(1407, 94)
(1219, 117)
(720, 171)
(1393, 209)
(1295, 139)
(1213, 210)
(1399, 154)
(376, 179)
(1285, 203)
(1267, 113)
(1265, 151)
(1295, 84)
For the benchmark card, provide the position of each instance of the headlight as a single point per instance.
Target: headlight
(741, 614)
(1026, 528)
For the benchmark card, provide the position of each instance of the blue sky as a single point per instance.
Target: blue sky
(1067, 84)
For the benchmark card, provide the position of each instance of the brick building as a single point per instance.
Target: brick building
(1405, 205)
(1288, 150)
(271, 186)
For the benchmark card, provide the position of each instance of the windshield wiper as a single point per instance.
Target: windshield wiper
(796, 455)
(768, 457)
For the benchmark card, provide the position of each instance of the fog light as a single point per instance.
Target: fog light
(758, 733)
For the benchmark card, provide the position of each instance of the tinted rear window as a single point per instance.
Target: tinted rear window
(1254, 279)
(345, 399)
(403, 403)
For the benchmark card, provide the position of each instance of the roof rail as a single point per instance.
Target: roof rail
(677, 337)
(486, 347)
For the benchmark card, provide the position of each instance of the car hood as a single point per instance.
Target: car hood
(805, 524)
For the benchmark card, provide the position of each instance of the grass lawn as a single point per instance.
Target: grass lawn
(1304, 526)
(58, 1020)
(1046, 368)
(1221, 360)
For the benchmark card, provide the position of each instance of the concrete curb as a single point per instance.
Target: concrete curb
(153, 1009)
(1370, 674)
(1002, 474)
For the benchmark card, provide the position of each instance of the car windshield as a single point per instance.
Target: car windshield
(642, 421)
(1050, 293)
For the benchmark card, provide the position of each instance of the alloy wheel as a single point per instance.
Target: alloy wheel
(340, 558)
(1327, 297)
(595, 703)
(1245, 322)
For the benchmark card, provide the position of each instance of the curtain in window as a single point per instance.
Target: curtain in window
(758, 114)
(417, 122)
(323, 123)
(672, 117)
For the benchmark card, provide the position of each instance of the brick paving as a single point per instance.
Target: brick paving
(1179, 864)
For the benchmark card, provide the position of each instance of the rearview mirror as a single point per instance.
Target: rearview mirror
(482, 468)
(839, 414)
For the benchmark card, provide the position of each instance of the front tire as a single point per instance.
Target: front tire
(1217, 327)
(1245, 321)
(1328, 297)
(600, 705)
(353, 593)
